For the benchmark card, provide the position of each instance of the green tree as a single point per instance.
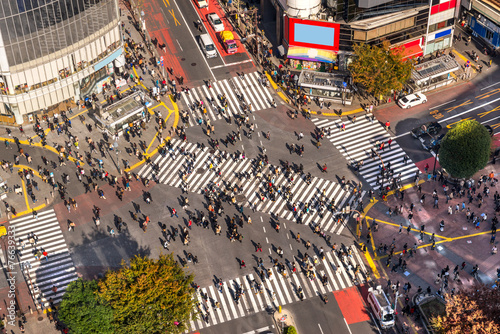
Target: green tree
(474, 310)
(465, 149)
(149, 296)
(83, 311)
(291, 330)
(379, 69)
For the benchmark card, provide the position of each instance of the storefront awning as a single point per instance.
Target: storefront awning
(411, 52)
(310, 54)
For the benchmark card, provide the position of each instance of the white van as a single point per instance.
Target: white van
(381, 307)
(208, 46)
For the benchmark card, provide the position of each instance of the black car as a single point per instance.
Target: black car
(432, 128)
(431, 143)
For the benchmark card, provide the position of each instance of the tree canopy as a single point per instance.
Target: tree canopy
(147, 296)
(83, 311)
(473, 311)
(465, 149)
(379, 69)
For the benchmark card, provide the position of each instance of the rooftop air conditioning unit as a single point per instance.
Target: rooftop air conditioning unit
(322, 16)
(331, 4)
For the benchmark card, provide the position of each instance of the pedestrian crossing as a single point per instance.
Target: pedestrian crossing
(356, 144)
(172, 166)
(250, 87)
(277, 290)
(58, 270)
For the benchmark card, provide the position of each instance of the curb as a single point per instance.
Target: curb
(305, 110)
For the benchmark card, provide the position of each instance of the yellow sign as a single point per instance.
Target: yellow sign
(3, 231)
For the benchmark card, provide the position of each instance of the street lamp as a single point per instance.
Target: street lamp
(435, 160)
(115, 145)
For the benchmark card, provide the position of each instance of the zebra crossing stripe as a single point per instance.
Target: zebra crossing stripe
(171, 168)
(58, 269)
(327, 263)
(277, 288)
(231, 298)
(356, 143)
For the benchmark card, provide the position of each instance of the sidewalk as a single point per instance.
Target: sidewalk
(461, 52)
(459, 242)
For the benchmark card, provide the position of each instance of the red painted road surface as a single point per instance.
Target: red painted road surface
(214, 7)
(352, 306)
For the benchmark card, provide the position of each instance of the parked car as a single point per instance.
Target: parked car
(215, 22)
(490, 130)
(412, 100)
(202, 3)
(432, 143)
(432, 128)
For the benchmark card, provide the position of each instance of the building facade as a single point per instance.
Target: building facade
(55, 51)
(483, 17)
(320, 35)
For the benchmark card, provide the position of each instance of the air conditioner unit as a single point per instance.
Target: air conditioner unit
(330, 18)
(322, 16)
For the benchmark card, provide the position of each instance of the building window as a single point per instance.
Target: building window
(489, 34)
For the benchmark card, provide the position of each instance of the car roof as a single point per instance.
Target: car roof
(214, 15)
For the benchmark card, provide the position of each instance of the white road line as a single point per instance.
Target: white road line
(490, 86)
(443, 104)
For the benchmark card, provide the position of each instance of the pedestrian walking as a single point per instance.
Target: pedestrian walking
(242, 264)
(71, 225)
(258, 247)
(174, 213)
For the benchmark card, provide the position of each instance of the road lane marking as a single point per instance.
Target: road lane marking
(179, 45)
(490, 86)
(171, 11)
(191, 33)
(347, 326)
(443, 104)
(232, 64)
(457, 115)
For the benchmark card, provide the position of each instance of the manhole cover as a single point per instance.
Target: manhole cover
(200, 170)
(40, 319)
(193, 64)
(319, 112)
(212, 151)
(240, 198)
(182, 59)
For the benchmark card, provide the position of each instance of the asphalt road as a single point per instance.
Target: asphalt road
(478, 99)
(174, 23)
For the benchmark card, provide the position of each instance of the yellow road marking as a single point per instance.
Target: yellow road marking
(372, 264)
(48, 147)
(275, 87)
(177, 23)
(413, 229)
(25, 195)
(449, 126)
(29, 168)
(30, 211)
(465, 60)
(488, 94)
(176, 121)
(463, 104)
(482, 114)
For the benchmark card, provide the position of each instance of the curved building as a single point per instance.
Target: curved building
(53, 52)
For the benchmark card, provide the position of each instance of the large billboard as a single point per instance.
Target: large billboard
(313, 34)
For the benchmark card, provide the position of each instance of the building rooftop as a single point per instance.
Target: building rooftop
(435, 67)
(322, 79)
(493, 3)
(124, 111)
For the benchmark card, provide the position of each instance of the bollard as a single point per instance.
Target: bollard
(279, 309)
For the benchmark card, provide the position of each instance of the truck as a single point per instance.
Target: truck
(381, 307)
(227, 40)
